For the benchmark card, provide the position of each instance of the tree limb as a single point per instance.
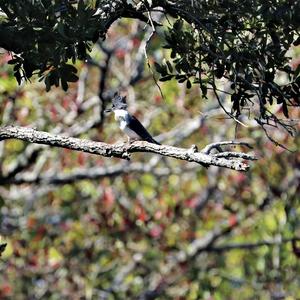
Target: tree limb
(94, 173)
(249, 246)
(117, 150)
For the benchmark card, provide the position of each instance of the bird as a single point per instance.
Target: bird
(128, 123)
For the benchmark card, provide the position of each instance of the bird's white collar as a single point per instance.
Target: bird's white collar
(120, 114)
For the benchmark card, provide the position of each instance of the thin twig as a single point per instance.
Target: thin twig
(146, 54)
(207, 149)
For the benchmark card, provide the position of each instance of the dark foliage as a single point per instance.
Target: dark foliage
(79, 226)
(2, 248)
(44, 35)
(245, 42)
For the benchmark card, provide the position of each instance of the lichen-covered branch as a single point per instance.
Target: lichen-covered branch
(120, 150)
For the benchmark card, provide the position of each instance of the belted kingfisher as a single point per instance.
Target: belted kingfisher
(130, 125)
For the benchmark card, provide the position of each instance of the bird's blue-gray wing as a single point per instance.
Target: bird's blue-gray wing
(135, 125)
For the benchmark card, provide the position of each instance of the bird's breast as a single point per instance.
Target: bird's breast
(120, 114)
(123, 118)
(123, 124)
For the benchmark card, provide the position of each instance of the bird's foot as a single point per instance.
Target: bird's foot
(131, 140)
(194, 149)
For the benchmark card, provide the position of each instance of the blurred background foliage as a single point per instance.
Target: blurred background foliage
(79, 226)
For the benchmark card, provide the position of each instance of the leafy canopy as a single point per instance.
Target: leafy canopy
(245, 42)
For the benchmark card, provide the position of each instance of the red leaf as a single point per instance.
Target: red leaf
(141, 213)
(81, 158)
(136, 42)
(192, 202)
(156, 231)
(232, 220)
(120, 53)
(158, 215)
(5, 290)
(108, 198)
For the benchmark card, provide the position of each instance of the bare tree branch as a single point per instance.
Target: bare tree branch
(217, 145)
(24, 160)
(236, 154)
(248, 246)
(118, 150)
(94, 173)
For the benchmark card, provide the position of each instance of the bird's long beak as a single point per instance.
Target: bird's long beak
(108, 110)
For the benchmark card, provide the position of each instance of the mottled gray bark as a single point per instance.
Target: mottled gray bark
(123, 150)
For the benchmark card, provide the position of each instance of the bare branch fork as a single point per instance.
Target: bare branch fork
(123, 150)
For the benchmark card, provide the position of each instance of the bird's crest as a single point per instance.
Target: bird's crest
(119, 102)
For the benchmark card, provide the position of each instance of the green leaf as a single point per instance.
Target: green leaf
(203, 90)
(71, 77)
(220, 71)
(64, 84)
(61, 30)
(170, 67)
(17, 74)
(173, 53)
(47, 83)
(178, 25)
(162, 69)
(69, 68)
(2, 248)
(166, 78)
(297, 42)
(158, 67)
(13, 61)
(285, 109)
(188, 84)
(235, 98)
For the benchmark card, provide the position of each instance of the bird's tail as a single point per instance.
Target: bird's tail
(153, 141)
